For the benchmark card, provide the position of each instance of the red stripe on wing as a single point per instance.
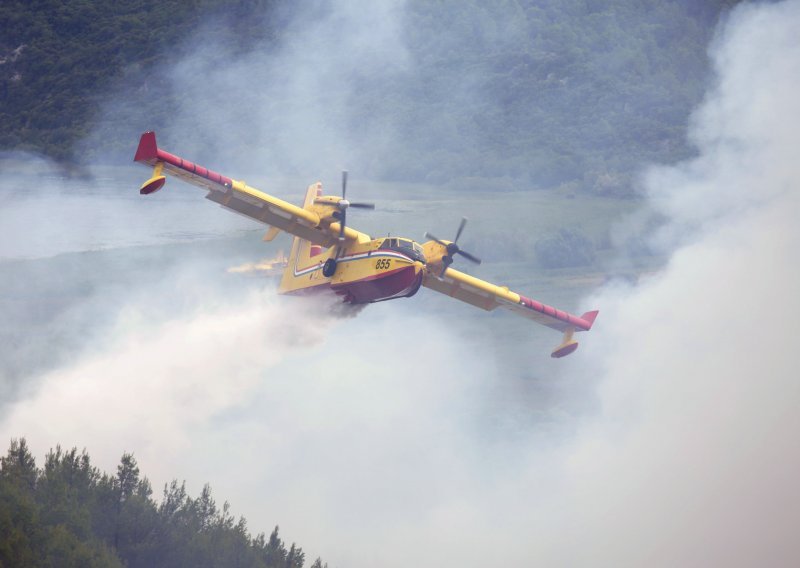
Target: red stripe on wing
(149, 153)
(583, 322)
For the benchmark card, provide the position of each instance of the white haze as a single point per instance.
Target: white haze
(368, 453)
(45, 213)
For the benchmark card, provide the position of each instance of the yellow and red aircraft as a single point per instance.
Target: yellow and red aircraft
(329, 255)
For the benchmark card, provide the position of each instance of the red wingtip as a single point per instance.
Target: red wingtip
(147, 150)
(589, 317)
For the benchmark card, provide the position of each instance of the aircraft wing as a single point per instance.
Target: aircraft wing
(488, 296)
(236, 195)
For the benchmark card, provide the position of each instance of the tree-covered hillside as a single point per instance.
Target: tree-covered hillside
(585, 93)
(58, 59)
(544, 92)
(69, 514)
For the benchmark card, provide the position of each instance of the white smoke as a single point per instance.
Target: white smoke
(693, 459)
(359, 436)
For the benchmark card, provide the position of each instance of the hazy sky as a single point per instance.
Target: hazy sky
(370, 457)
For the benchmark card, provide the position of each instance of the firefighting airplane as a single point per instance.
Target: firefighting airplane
(327, 254)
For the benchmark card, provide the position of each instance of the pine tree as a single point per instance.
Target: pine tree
(19, 466)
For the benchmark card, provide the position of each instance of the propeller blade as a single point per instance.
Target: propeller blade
(460, 228)
(431, 237)
(343, 205)
(363, 205)
(468, 256)
(342, 221)
(453, 249)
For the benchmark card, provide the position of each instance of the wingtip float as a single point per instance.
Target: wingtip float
(568, 344)
(328, 255)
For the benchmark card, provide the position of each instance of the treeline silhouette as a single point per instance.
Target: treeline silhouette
(68, 513)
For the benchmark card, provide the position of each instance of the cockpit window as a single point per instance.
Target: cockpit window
(393, 243)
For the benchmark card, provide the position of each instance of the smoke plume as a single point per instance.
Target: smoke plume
(366, 438)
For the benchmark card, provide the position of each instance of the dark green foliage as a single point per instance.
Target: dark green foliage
(544, 92)
(70, 514)
(566, 248)
(58, 59)
(569, 90)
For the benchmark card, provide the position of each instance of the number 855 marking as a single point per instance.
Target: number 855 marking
(382, 264)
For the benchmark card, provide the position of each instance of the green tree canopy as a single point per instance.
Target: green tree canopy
(68, 513)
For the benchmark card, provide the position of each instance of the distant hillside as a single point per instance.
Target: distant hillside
(58, 59)
(567, 92)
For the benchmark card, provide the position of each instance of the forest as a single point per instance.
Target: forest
(567, 93)
(70, 514)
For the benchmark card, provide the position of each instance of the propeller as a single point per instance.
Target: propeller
(453, 248)
(343, 205)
